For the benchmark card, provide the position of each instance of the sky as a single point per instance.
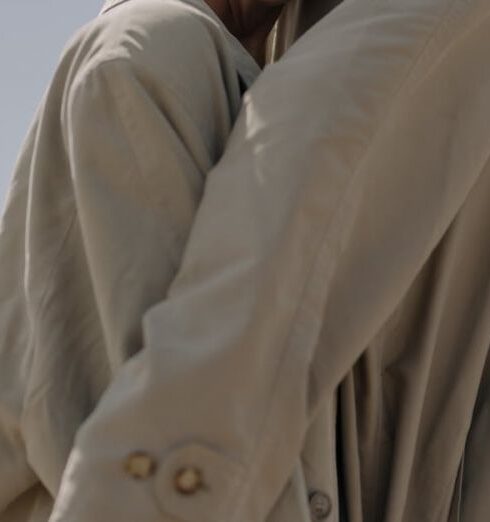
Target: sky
(32, 36)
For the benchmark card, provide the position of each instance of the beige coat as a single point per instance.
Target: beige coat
(322, 352)
(98, 212)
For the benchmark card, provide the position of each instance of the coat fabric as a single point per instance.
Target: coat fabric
(322, 352)
(98, 212)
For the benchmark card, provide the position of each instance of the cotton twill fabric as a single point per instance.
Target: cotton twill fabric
(328, 327)
(97, 215)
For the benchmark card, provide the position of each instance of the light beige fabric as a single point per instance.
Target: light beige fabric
(96, 218)
(296, 18)
(328, 328)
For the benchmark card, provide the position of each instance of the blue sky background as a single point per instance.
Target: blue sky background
(32, 36)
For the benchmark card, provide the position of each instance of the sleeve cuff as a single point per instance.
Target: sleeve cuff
(189, 481)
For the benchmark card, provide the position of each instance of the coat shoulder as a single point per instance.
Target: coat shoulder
(157, 38)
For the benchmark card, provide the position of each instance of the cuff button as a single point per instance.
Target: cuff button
(320, 505)
(140, 465)
(188, 480)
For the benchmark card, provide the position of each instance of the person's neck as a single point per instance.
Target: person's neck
(249, 21)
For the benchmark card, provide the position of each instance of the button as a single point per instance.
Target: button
(196, 477)
(320, 505)
(188, 480)
(140, 465)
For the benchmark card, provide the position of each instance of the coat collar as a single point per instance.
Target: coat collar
(246, 65)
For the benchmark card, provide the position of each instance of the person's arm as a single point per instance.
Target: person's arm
(98, 216)
(332, 193)
(16, 475)
(138, 160)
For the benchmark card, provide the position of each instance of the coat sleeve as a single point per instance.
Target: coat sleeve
(95, 225)
(16, 475)
(306, 239)
(138, 155)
